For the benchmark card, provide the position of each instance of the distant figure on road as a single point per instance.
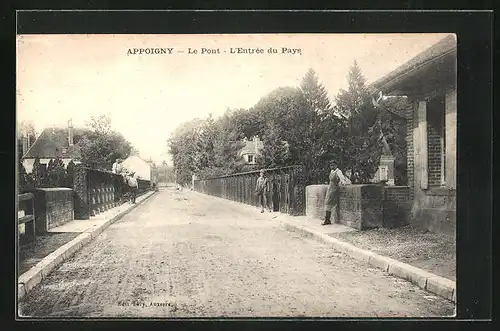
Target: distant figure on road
(332, 193)
(262, 190)
(133, 186)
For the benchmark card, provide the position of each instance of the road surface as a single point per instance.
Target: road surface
(184, 254)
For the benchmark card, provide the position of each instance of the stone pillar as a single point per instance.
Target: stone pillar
(361, 206)
(451, 138)
(102, 198)
(80, 187)
(94, 210)
(420, 146)
(315, 200)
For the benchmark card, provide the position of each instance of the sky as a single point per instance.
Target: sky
(62, 77)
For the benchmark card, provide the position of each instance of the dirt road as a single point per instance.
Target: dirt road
(183, 254)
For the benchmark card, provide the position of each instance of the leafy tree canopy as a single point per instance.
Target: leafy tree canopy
(100, 146)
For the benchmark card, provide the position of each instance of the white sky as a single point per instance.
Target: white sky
(147, 96)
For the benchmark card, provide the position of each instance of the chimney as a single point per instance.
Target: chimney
(256, 144)
(70, 133)
(25, 144)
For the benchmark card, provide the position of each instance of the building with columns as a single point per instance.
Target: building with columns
(429, 82)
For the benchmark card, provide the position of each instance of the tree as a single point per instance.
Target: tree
(100, 146)
(182, 147)
(25, 129)
(56, 173)
(325, 129)
(275, 152)
(25, 181)
(246, 122)
(366, 127)
(315, 93)
(70, 174)
(227, 146)
(204, 145)
(38, 173)
(350, 101)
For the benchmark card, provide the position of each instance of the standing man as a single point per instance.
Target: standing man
(117, 166)
(332, 193)
(117, 169)
(262, 190)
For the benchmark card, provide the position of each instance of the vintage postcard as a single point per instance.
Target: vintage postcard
(236, 175)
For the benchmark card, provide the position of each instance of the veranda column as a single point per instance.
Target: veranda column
(420, 145)
(451, 138)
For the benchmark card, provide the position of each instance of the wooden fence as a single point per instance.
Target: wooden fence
(287, 188)
(99, 190)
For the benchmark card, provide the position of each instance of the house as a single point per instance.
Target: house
(141, 167)
(429, 82)
(52, 142)
(251, 149)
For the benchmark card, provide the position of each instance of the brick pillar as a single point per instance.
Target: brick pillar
(80, 187)
(409, 151)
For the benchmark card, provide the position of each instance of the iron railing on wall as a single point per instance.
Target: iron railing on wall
(98, 190)
(287, 188)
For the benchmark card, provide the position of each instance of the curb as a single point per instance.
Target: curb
(28, 280)
(425, 280)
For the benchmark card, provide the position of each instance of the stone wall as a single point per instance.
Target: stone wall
(397, 206)
(435, 210)
(364, 206)
(53, 207)
(360, 206)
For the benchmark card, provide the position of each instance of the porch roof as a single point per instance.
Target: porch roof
(433, 69)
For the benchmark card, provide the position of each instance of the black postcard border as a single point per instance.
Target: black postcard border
(475, 104)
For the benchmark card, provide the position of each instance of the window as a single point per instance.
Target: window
(250, 158)
(436, 142)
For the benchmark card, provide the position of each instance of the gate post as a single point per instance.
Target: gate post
(81, 193)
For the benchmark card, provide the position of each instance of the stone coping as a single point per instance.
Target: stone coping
(427, 281)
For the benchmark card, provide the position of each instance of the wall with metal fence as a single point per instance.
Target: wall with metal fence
(98, 190)
(287, 188)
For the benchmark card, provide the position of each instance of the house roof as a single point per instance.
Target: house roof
(137, 157)
(252, 146)
(435, 63)
(50, 143)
